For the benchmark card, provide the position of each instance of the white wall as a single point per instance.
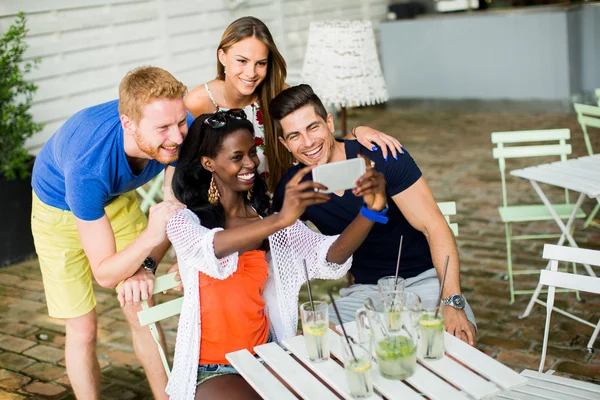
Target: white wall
(87, 46)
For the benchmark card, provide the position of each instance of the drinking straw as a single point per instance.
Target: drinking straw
(398, 263)
(337, 313)
(312, 305)
(441, 287)
(437, 309)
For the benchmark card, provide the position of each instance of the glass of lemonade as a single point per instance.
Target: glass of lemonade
(315, 325)
(431, 329)
(357, 364)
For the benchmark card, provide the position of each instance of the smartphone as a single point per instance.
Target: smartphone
(340, 175)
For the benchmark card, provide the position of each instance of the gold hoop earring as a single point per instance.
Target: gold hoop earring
(213, 192)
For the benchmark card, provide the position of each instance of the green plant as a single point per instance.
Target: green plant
(16, 96)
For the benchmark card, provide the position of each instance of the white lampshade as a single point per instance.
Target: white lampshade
(341, 64)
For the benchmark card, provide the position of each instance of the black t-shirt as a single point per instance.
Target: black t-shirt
(378, 254)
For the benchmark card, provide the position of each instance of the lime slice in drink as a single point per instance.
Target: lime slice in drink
(361, 366)
(318, 329)
(431, 323)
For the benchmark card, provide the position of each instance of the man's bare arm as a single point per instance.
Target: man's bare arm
(420, 209)
(110, 267)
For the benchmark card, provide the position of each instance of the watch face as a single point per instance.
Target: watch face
(149, 264)
(458, 302)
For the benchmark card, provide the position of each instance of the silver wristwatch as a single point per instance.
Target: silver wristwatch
(456, 301)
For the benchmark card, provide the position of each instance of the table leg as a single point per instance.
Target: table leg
(566, 235)
(564, 228)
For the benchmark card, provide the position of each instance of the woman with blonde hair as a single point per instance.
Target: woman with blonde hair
(250, 73)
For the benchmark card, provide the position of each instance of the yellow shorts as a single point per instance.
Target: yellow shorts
(65, 268)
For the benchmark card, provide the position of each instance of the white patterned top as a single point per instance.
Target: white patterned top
(193, 244)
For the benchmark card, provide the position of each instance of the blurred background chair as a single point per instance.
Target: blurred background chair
(554, 279)
(589, 117)
(551, 142)
(448, 209)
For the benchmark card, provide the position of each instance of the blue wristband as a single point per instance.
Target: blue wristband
(374, 215)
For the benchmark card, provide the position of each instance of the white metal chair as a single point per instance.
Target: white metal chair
(151, 315)
(553, 279)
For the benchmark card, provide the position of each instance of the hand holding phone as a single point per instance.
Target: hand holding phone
(340, 175)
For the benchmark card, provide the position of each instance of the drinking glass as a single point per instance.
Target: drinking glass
(357, 364)
(315, 325)
(431, 329)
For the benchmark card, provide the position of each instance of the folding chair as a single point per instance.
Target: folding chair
(553, 279)
(448, 209)
(154, 192)
(151, 315)
(589, 117)
(553, 143)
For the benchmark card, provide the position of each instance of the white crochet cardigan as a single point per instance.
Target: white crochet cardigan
(193, 244)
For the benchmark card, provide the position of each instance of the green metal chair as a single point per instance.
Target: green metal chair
(589, 117)
(151, 315)
(517, 144)
(154, 193)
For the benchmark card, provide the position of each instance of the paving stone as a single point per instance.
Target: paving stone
(16, 329)
(570, 367)
(565, 353)
(14, 362)
(12, 381)
(52, 324)
(504, 343)
(31, 284)
(15, 344)
(44, 371)
(123, 357)
(123, 374)
(7, 279)
(523, 360)
(117, 392)
(45, 353)
(47, 390)
(49, 338)
(10, 396)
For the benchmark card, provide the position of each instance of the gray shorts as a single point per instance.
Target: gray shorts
(351, 299)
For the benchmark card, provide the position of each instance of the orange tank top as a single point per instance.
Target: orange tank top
(232, 311)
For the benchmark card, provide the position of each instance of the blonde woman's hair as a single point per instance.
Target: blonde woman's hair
(278, 157)
(142, 86)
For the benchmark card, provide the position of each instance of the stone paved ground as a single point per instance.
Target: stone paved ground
(454, 151)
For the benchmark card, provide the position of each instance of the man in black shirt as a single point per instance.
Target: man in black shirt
(306, 130)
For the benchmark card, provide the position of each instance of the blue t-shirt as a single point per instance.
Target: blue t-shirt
(378, 254)
(83, 167)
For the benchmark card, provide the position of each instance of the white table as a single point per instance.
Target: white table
(464, 373)
(580, 175)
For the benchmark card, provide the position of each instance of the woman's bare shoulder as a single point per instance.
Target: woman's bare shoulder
(198, 100)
